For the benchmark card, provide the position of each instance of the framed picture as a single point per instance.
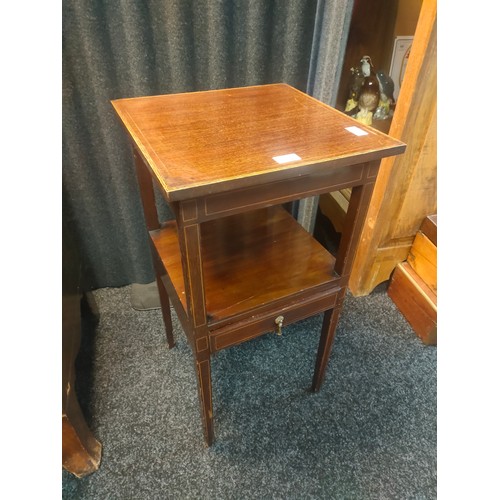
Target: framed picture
(400, 55)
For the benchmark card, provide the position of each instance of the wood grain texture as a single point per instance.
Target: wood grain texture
(145, 182)
(405, 191)
(249, 260)
(423, 260)
(214, 141)
(233, 259)
(204, 378)
(192, 266)
(429, 228)
(81, 452)
(353, 223)
(236, 333)
(165, 309)
(272, 193)
(416, 301)
(330, 321)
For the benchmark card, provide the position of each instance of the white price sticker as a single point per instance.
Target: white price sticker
(356, 131)
(286, 158)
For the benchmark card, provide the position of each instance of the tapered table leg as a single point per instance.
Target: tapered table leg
(330, 320)
(203, 372)
(165, 311)
(190, 244)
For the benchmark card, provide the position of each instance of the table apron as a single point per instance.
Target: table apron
(251, 198)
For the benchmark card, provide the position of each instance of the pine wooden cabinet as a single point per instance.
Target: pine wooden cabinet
(406, 188)
(413, 286)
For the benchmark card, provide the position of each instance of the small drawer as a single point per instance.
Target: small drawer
(255, 326)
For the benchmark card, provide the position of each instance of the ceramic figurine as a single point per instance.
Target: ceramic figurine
(355, 85)
(367, 66)
(369, 94)
(386, 85)
(386, 103)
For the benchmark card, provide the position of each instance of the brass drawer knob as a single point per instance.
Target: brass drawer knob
(279, 321)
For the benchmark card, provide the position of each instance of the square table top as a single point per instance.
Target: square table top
(199, 143)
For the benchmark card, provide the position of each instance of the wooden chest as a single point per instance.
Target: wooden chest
(413, 286)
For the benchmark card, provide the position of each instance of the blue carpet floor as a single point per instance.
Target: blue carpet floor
(370, 433)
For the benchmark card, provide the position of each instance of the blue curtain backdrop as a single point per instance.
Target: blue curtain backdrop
(128, 48)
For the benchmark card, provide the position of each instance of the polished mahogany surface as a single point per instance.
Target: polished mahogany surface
(213, 141)
(234, 264)
(249, 259)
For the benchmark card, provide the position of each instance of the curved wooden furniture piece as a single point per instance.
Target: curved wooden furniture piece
(81, 452)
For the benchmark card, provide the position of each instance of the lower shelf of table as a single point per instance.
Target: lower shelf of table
(252, 262)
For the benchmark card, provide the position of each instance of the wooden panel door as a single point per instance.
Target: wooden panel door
(405, 191)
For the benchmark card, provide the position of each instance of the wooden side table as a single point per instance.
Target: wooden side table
(234, 263)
